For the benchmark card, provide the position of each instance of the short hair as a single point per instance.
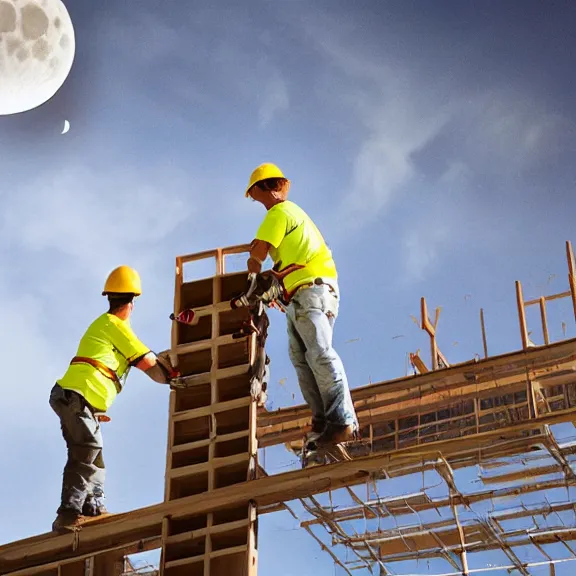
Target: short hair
(117, 300)
(280, 185)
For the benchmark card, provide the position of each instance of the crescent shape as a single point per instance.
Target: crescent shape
(66, 127)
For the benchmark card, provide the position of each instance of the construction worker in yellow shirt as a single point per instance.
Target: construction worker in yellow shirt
(107, 351)
(310, 284)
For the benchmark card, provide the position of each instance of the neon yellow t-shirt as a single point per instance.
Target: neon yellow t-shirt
(296, 240)
(111, 341)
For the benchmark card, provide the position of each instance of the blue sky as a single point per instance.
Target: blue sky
(432, 143)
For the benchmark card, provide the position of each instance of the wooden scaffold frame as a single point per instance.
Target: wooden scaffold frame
(476, 413)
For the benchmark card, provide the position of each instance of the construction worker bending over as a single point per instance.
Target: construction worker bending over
(301, 256)
(82, 396)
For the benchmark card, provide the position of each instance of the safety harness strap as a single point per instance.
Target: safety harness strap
(102, 368)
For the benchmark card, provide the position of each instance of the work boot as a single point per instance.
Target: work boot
(91, 509)
(66, 521)
(318, 427)
(337, 433)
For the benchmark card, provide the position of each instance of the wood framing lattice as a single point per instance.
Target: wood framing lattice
(212, 427)
(493, 416)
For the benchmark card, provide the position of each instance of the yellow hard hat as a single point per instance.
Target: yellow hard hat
(123, 280)
(263, 172)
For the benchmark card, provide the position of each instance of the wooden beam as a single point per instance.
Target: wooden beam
(77, 566)
(147, 522)
(571, 274)
(522, 315)
(473, 371)
(483, 327)
(418, 394)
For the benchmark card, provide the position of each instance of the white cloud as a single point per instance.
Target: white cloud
(421, 247)
(65, 230)
(397, 118)
(29, 364)
(508, 131)
(401, 113)
(394, 132)
(96, 217)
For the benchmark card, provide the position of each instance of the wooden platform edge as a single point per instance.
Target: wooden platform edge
(147, 522)
(469, 371)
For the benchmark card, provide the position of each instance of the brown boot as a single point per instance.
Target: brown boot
(337, 433)
(67, 521)
(91, 509)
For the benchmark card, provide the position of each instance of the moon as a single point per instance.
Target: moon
(37, 47)
(66, 127)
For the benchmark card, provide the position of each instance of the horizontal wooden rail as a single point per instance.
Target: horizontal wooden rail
(417, 394)
(147, 522)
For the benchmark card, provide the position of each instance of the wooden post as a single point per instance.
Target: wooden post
(571, 274)
(544, 320)
(431, 329)
(484, 342)
(521, 315)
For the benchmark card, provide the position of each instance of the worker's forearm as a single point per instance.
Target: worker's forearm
(258, 253)
(254, 265)
(158, 374)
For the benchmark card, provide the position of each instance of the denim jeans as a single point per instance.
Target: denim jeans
(84, 473)
(311, 316)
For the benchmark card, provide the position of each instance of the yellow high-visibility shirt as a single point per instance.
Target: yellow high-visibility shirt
(111, 341)
(295, 239)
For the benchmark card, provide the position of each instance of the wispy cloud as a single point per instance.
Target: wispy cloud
(429, 152)
(274, 97)
(96, 217)
(65, 230)
(397, 118)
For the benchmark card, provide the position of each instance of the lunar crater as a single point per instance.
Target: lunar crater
(34, 21)
(7, 17)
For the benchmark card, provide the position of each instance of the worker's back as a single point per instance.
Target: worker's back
(299, 242)
(110, 342)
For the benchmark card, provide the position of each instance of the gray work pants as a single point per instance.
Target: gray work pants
(84, 473)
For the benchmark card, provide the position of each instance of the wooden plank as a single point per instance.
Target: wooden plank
(473, 371)
(423, 392)
(214, 463)
(184, 561)
(221, 374)
(424, 545)
(544, 321)
(420, 502)
(521, 315)
(547, 298)
(147, 522)
(571, 274)
(211, 409)
(229, 551)
(192, 347)
(228, 251)
(207, 441)
(70, 566)
(217, 529)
